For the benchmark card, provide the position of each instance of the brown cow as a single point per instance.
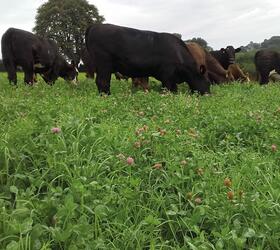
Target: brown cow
(142, 82)
(237, 73)
(208, 65)
(199, 55)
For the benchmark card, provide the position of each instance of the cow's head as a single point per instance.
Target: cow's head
(71, 73)
(229, 52)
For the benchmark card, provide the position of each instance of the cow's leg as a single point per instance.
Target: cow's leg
(28, 74)
(166, 78)
(170, 86)
(11, 70)
(103, 79)
(264, 77)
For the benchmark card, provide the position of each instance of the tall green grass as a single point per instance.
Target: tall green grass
(75, 190)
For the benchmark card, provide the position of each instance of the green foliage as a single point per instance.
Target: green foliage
(246, 61)
(66, 21)
(74, 189)
(178, 35)
(203, 43)
(272, 43)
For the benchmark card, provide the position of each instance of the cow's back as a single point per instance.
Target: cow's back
(140, 53)
(5, 44)
(132, 50)
(19, 43)
(198, 53)
(267, 56)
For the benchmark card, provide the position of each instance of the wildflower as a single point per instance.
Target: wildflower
(200, 171)
(130, 160)
(183, 162)
(273, 147)
(56, 130)
(157, 166)
(227, 182)
(198, 201)
(230, 195)
(137, 144)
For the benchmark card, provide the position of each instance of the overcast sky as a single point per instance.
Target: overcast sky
(219, 22)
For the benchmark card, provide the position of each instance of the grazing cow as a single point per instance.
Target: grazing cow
(266, 60)
(237, 73)
(91, 68)
(142, 82)
(88, 63)
(35, 55)
(137, 53)
(225, 56)
(90, 71)
(208, 65)
(199, 55)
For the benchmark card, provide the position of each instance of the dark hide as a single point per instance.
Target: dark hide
(88, 63)
(137, 53)
(225, 56)
(266, 60)
(35, 55)
(208, 65)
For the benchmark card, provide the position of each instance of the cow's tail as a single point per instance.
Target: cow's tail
(7, 50)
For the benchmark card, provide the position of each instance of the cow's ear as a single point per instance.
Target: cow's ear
(223, 50)
(237, 50)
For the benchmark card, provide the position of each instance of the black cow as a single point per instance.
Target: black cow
(137, 53)
(88, 63)
(225, 56)
(266, 60)
(35, 55)
(90, 67)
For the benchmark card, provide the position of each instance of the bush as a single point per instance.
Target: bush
(246, 61)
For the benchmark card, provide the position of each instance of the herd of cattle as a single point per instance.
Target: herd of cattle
(131, 53)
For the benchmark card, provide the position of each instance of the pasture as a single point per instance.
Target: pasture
(205, 172)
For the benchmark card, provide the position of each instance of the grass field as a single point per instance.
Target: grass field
(139, 171)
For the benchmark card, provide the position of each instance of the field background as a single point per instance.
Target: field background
(205, 173)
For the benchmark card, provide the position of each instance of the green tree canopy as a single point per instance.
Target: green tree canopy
(66, 21)
(201, 42)
(272, 43)
(178, 35)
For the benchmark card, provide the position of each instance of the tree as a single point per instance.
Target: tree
(272, 43)
(201, 42)
(66, 21)
(178, 35)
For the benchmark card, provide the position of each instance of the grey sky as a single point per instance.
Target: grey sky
(219, 22)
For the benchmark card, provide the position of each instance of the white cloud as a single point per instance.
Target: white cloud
(219, 22)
